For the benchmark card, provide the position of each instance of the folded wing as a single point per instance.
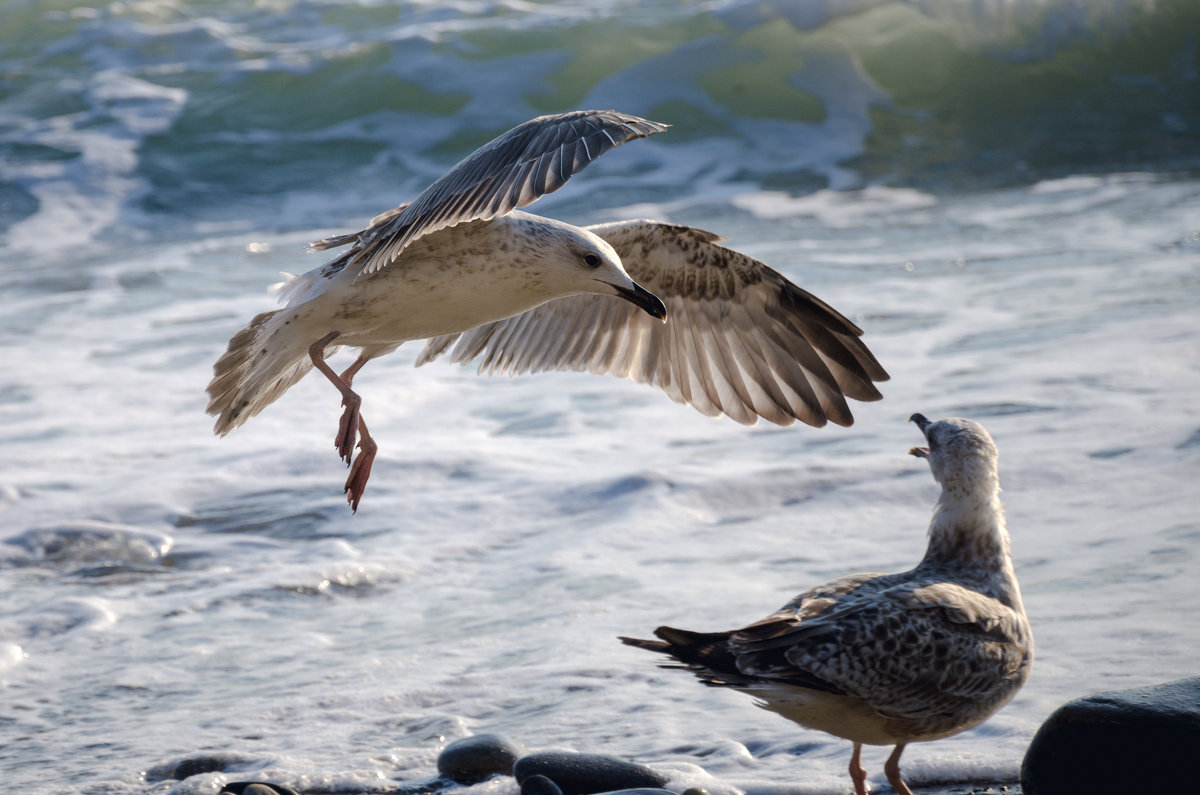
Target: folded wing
(910, 650)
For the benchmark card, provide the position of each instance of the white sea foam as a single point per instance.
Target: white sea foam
(838, 209)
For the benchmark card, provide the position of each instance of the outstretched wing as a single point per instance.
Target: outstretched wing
(528, 161)
(740, 339)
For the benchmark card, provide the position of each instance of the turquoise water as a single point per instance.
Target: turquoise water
(1002, 195)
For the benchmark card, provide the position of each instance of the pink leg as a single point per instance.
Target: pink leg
(360, 471)
(858, 773)
(351, 371)
(351, 418)
(351, 423)
(348, 426)
(891, 769)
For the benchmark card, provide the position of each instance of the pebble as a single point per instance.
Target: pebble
(1117, 743)
(585, 774)
(539, 785)
(474, 759)
(256, 788)
(195, 765)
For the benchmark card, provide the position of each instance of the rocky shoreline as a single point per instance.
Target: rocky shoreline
(1114, 743)
(475, 759)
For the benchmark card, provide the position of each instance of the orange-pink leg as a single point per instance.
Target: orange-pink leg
(858, 774)
(351, 418)
(351, 423)
(351, 371)
(891, 769)
(360, 470)
(348, 426)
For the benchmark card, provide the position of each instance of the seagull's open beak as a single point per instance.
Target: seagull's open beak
(640, 296)
(921, 422)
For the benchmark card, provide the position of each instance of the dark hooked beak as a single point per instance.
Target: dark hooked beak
(640, 296)
(921, 422)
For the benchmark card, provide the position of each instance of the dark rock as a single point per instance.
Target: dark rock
(584, 774)
(539, 785)
(256, 788)
(195, 765)
(474, 759)
(1116, 743)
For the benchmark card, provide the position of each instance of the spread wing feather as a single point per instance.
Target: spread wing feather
(740, 339)
(514, 170)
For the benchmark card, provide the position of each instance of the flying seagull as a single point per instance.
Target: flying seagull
(463, 268)
(890, 659)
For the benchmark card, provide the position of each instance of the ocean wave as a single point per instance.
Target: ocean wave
(122, 121)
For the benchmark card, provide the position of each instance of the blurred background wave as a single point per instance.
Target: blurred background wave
(144, 118)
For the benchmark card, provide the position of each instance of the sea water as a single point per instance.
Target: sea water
(1002, 195)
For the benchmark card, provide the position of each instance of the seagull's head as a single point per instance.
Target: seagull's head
(585, 263)
(960, 452)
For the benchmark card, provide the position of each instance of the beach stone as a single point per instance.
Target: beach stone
(256, 788)
(1117, 743)
(195, 765)
(585, 774)
(474, 759)
(539, 785)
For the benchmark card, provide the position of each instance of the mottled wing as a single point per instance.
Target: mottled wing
(966, 608)
(913, 651)
(740, 339)
(528, 161)
(767, 647)
(744, 657)
(712, 658)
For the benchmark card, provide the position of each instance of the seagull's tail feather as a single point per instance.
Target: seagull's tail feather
(649, 645)
(259, 366)
(703, 653)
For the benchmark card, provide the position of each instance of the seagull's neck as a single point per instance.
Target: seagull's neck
(968, 536)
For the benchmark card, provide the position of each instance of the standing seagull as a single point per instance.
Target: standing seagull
(461, 264)
(889, 659)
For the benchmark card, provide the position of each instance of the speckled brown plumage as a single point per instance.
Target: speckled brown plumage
(892, 658)
(741, 339)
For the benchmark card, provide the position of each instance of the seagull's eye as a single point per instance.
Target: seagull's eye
(591, 260)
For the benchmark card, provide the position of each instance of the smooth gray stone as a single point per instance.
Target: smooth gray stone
(195, 765)
(474, 759)
(1117, 743)
(539, 785)
(585, 774)
(257, 788)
